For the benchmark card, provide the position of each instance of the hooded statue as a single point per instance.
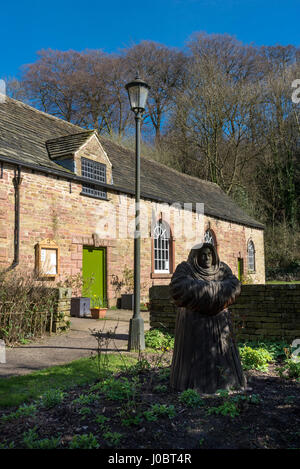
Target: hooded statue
(205, 355)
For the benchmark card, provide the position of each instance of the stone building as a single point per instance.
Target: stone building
(67, 207)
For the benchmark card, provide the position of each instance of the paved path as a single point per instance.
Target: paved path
(65, 347)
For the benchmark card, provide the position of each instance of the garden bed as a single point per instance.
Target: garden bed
(136, 409)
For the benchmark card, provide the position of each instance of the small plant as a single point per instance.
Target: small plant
(289, 370)
(101, 420)
(128, 279)
(103, 340)
(32, 441)
(289, 399)
(139, 367)
(252, 399)
(159, 410)
(119, 389)
(129, 415)
(158, 339)
(164, 374)
(52, 398)
(23, 411)
(85, 441)
(85, 399)
(255, 359)
(275, 348)
(160, 388)
(191, 398)
(98, 302)
(113, 438)
(6, 445)
(227, 408)
(84, 411)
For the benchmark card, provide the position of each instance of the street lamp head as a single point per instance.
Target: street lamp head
(137, 93)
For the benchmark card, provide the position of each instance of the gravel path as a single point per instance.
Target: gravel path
(66, 347)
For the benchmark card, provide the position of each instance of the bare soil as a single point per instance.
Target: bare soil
(271, 423)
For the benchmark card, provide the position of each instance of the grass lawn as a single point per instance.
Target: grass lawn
(19, 389)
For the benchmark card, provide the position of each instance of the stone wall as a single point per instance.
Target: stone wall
(261, 311)
(270, 311)
(62, 312)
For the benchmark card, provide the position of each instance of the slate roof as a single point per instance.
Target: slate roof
(68, 144)
(31, 136)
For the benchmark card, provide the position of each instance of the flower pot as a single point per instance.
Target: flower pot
(98, 313)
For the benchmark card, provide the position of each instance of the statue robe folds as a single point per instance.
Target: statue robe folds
(205, 355)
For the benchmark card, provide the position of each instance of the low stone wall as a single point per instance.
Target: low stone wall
(261, 311)
(162, 310)
(269, 311)
(62, 311)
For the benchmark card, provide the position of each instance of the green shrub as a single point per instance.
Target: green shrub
(191, 398)
(158, 340)
(276, 348)
(255, 359)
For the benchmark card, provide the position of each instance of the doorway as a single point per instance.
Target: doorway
(240, 268)
(94, 274)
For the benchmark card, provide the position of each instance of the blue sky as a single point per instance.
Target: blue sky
(31, 25)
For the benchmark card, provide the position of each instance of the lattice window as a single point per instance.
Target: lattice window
(251, 256)
(161, 237)
(95, 172)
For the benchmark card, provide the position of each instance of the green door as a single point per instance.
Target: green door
(94, 275)
(240, 268)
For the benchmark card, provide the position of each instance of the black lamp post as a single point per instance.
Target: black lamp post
(137, 93)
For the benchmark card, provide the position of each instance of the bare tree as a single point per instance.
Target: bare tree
(214, 107)
(163, 69)
(51, 83)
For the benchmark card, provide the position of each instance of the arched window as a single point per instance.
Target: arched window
(161, 244)
(209, 237)
(251, 256)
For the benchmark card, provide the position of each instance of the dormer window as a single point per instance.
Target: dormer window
(83, 154)
(93, 171)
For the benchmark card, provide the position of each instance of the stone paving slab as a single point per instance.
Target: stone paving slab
(65, 347)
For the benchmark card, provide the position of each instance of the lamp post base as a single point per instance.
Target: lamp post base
(136, 339)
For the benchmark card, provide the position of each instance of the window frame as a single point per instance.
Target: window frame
(251, 251)
(95, 168)
(161, 248)
(163, 274)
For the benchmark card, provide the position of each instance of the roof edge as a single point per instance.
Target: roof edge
(112, 187)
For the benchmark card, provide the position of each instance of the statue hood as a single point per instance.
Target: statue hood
(194, 256)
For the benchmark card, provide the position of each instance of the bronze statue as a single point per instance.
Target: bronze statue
(205, 355)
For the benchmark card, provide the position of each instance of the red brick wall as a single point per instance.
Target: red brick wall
(50, 210)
